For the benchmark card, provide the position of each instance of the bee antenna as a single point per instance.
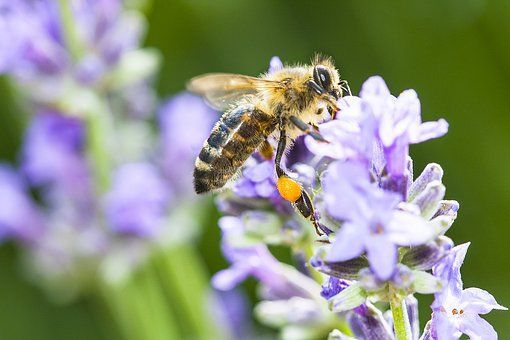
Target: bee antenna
(345, 86)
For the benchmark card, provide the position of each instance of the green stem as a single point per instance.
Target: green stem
(185, 280)
(307, 249)
(139, 307)
(69, 30)
(97, 129)
(155, 310)
(400, 318)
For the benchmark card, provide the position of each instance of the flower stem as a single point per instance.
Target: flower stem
(307, 250)
(69, 29)
(400, 317)
(97, 146)
(184, 278)
(139, 307)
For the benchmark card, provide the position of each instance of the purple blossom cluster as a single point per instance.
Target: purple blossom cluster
(68, 224)
(387, 241)
(82, 202)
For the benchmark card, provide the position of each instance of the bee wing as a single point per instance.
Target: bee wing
(221, 90)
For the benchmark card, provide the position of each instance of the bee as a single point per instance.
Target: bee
(285, 104)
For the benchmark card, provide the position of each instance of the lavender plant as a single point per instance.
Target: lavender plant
(386, 232)
(98, 203)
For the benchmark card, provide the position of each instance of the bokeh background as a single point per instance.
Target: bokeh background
(455, 53)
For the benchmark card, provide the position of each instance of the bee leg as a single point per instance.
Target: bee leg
(291, 190)
(266, 150)
(306, 128)
(305, 207)
(282, 143)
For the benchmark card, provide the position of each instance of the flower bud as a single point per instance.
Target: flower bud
(295, 310)
(425, 283)
(424, 257)
(412, 314)
(447, 208)
(370, 325)
(347, 270)
(332, 287)
(432, 172)
(429, 199)
(350, 298)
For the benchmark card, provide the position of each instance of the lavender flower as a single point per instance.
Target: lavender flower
(372, 222)
(377, 119)
(387, 228)
(398, 121)
(53, 155)
(258, 181)
(332, 287)
(180, 146)
(255, 260)
(456, 310)
(79, 64)
(19, 217)
(103, 34)
(137, 201)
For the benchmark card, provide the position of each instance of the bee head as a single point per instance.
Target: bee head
(322, 77)
(326, 84)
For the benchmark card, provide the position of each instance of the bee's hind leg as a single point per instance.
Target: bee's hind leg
(307, 128)
(266, 150)
(305, 207)
(292, 190)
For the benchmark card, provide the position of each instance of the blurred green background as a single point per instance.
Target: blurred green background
(455, 53)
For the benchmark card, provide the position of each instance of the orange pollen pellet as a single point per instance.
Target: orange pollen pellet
(455, 312)
(289, 189)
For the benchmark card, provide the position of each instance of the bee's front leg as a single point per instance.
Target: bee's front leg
(291, 190)
(307, 128)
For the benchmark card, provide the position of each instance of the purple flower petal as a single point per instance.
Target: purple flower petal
(137, 201)
(19, 216)
(231, 225)
(348, 244)
(333, 286)
(429, 130)
(396, 158)
(374, 87)
(260, 172)
(479, 301)
(53, 155)
(382, 255)
(275, 64)
(266, 189)
(432, 172)
(449, 268)
(442, 328)
(477, 328)
(244, 188)
(227, 279)
(406, 229)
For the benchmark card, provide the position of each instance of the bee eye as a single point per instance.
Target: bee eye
(321, 76)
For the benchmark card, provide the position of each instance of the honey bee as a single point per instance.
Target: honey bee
(285, 104)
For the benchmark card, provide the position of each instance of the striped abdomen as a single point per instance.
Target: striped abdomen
(233, 139)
